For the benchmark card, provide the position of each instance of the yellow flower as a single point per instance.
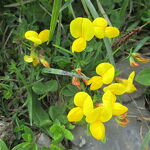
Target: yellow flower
(100, 114)
(82, 29)
(116, 88)
(37, 38)
(32, 58)
(84, 105)
(101, 30)
(117, 108)
(129, 83)
(99, 27)
(106, 73)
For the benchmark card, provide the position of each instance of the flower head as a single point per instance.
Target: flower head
(37, 38)
(128, 83)
(84, 105)
(101, 30)
(32, 58)
(106, 73)
(81, 29)
(117, 108)
(35, 59)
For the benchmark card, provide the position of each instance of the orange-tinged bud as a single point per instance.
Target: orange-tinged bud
(98, 104)
(133, 63)
(78, 70)
(85, 81)
(76, 82)
(45, 63)
(122, 120)
(140, 58)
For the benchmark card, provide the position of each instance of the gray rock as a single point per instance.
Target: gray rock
(43, 140)
(6, 130)
(118, 138)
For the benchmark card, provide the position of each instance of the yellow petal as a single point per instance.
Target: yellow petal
(82, 27)
(97, 130)
(76, 27)
(87, 106)
(131, 89)
(80, 97)
(78, 45)
(131, 76)
(129, 83)
(103, 68)
(99, 32)
(44, 35)
(111, 32)
(116, 88)
(109, 96)
(35, 61)
(108, 76)
(87, 29)
(33, 36)
(96, 82)
(28, 58)
(100, 22)
(119, 109)
(93, 116)
(106, 112)
(75, 114)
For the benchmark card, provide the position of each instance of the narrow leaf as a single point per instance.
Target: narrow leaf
(141, 43)
(62, 72)
(3, 145)
(55, 15)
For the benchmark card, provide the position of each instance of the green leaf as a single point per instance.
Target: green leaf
(22, 146)
(41, 88)
(51, 86)
(55, 15)
(58, 112)
(27, 137)
(39, 115)
(38, 88)
(143, 77)
(68, 135)
(46, 123)
(3, 145)
(56, 131)
(141, 43)
(69, 90)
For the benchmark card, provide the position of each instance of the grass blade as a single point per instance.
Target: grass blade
(55, 14)
(146, 140)
(141, 43)
(66, 5)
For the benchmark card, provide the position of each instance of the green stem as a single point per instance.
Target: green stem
(109, 51)
(103, 12)
(85, 8)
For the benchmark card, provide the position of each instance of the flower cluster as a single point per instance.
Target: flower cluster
(95, 116)
(37, 39)
(84, 30)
